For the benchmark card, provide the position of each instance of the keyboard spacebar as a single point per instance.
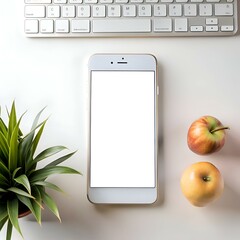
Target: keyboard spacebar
(121, 25)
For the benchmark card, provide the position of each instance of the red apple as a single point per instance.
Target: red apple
(206, 135)
(202, 183)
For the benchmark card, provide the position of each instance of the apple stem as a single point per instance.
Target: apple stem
(218, 129)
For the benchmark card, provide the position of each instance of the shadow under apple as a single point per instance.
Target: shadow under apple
(229, 201)
(231, 147)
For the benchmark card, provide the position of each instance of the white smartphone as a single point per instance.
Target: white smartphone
(123, 145)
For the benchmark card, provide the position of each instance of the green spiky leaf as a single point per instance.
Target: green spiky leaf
(19, 192)
(15, 172)
(13, 148)
(3, 180)
(35, 122)
(23, 180)
(4, 147)
(3, 213)
(12, 121)
(4, 169)
(3, 128)
(60, 160)
(36, 203)
(9, 230)
(37, 138)
(25, 146)
(12, 208)
(2, 190)
(2, 222)
(27, 202)
(42, 174)
(48, 185)
(28, 140)
(49, 202)
(48, 153)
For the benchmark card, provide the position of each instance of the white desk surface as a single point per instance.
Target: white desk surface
(197, 76)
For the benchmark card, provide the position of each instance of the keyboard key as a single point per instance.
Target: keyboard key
(60, 1)
(211, 21)
(213, 1)
(62, 26)
(190, 10)
(205, 9)
(163, 25)
(106, 1)
(114, 11)
(145, 11)
(151, 1)
(35, 11)
(196, 29)
(90, 1)
(99, 10)
(129, 10)
(136, 1)
(211, 28)
(175, 10)
(181, 25)
(227, 28)
(121, 1)
(80, 26)
(46, 26)
(224, 9)
(160, 10)
(75, 1)
(31, 26)
(121, 25)
(68, 11)
(37, 1)
(53, 11)
(83, 11)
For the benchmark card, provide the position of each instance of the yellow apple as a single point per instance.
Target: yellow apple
(202, 183)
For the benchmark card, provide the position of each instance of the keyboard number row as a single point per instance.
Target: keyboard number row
(175, 10)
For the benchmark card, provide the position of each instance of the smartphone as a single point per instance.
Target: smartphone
(123, 145)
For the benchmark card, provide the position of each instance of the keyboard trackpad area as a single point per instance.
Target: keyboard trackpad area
(121, 25)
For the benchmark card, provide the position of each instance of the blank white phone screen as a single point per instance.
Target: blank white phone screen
(122, 129)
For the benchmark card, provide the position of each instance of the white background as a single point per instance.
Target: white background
(122, 129)
(197, 76)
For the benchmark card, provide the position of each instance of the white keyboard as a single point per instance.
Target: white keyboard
(130, 18)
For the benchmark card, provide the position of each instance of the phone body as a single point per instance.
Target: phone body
(123, 144)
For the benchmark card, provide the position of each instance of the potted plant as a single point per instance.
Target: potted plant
(22, 184)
